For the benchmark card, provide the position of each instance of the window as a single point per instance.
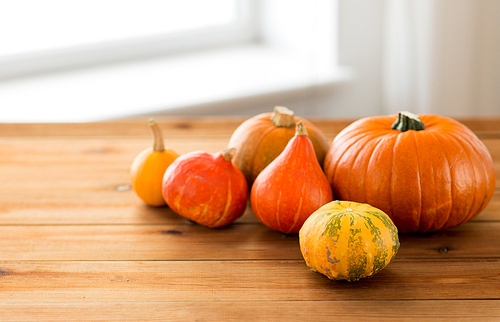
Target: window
(44, 36)
(122, 67)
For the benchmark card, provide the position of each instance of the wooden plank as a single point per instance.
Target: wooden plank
(190, 126)
(91, 147)
(492, 210)
(170, 126)
(114, 206)
(61, 180)
(99, 149)
(85, 310)
(110, 208)
(84, 208)
(487, 127)
(112, 203)
(146, 242)
(221, 281)
(469, 240)
(114, 151)
(77, 243)
(235, 242)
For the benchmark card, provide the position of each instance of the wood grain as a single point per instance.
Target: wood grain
(194, 126)
(76, 243)
(85, 180)
(238, 241)
(220, 281)
(418, 310)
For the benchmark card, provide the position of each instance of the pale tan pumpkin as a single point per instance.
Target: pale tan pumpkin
(260, 139)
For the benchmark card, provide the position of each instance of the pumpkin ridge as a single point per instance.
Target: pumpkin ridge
(377, 197)
(448, 168)
(329, 158)
(256, 210)
(379, 139)
(419, 175)
(226, 206)
(471, 211)
(462, 150)
(489, 179)
(297, 213)
(278, 211)
(357, 262)
(387, 222)
(348, 181)
(399, 189)
(242, 137)
(391, 176)
(473, 140)
(207, 203)
(251, 166)
(380, 257)
(358, 151)
(430, 202)
(440, 138)
(333, 224)
(299, 208)
(177, 201)
(314, 165)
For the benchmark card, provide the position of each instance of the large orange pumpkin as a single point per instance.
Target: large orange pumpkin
(426, 172)
(260, 139)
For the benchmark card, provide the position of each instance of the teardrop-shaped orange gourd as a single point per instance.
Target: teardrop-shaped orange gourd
(291, 187)
(146, 172)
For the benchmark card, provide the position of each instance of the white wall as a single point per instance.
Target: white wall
(360, 47)
(360, 42)
(426, 56)
(488, 95)
(442, 56)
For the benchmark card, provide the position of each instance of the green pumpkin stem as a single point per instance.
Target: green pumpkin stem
(158, 145)
(408, 121)
(283, 117)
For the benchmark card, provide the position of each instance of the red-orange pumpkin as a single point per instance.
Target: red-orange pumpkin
(260, 139)
(206, 188)
(426, 172)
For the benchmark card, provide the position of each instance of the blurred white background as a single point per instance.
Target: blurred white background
(79, 61)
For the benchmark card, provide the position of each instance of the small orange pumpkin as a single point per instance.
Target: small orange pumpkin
(426, 172)
(260, 139)
(206, 188)
(146, 172)
(291, 187)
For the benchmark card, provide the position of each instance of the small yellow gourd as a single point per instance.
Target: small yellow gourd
(348, 241)
(148, 168)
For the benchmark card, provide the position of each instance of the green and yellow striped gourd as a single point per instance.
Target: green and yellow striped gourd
(348, 240)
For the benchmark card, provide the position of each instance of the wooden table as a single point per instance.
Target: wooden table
(78, 244)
